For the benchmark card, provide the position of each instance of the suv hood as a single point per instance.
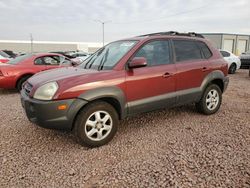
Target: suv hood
(58, 74)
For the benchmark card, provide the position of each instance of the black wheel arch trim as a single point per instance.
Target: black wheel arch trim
(215, 75)
(112, 92)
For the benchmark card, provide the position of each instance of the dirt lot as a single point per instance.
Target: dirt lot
(176, 147)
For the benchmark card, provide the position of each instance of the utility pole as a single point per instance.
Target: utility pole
(31, 43)
(103, 27)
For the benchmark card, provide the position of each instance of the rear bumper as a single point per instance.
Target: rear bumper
(226, 82)
(47, 115)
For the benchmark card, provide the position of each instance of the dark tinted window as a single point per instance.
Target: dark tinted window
(39, 61)
(156, 53)
(186, 50)
(206, 52)
(225, 54)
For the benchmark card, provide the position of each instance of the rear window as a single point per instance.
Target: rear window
(19, 59)
(186, 50)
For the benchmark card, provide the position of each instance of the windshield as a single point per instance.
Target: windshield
(4, 54)
(19, 59)
(108, 56)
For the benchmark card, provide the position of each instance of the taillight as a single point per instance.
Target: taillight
(1, 74)
(4, 60)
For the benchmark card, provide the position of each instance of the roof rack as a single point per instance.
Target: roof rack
(174, 33)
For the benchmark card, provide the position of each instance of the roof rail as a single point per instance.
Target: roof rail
(174, 33)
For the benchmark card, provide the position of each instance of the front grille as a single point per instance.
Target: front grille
(27, 88)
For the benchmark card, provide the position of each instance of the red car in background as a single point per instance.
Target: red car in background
(16, 71)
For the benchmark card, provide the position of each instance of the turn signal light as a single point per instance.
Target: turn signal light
(62, 107)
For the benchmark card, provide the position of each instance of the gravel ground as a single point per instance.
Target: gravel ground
(176, 147)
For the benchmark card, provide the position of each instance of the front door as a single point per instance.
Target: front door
(151, 87)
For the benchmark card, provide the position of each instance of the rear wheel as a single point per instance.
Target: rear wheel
(21, 82)
(96, 124)
(232, 68)
(210, 101)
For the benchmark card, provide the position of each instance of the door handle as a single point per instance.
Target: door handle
(204, 69)
(167, 75)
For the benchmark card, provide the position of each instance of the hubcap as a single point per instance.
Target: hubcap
(98, 126)
(212, 99)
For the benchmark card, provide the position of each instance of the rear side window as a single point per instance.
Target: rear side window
(206, 52)
(39, 61)
(186, 50)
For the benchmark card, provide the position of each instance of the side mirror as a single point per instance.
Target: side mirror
(137, 62)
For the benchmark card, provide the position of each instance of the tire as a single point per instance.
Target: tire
(21, 81)
(210, 101)
(87, 133)
(232, 69)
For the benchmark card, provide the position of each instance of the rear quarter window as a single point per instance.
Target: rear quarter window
(204, 48)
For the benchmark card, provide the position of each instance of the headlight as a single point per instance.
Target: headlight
(46, 91)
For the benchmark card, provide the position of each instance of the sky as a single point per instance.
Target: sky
(75, 20)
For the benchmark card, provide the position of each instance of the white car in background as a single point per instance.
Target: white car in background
(79, 55)
(233, 61)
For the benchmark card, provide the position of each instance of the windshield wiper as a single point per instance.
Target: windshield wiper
(92, 56)
(104, 60)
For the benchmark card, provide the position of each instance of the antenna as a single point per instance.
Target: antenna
(103, 24)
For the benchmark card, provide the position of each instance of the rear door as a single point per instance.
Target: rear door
(192, 67)
(151, 87)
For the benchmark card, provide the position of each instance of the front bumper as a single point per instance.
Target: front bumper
(226, 82)
(47, 115)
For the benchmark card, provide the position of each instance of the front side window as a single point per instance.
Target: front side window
(108, 56)
(225, 54)
(156, 53)
(186, 50)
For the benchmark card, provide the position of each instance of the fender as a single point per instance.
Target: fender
(217, 74)
(107, 92)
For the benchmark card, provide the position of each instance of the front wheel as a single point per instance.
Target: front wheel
(96, 124)
(210, 101)
(21, 81)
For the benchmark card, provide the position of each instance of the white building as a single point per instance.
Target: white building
(234, 43)
(47, 46)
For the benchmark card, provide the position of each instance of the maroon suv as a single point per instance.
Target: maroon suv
(125, 78)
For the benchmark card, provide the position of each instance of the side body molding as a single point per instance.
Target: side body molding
(107, 92)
